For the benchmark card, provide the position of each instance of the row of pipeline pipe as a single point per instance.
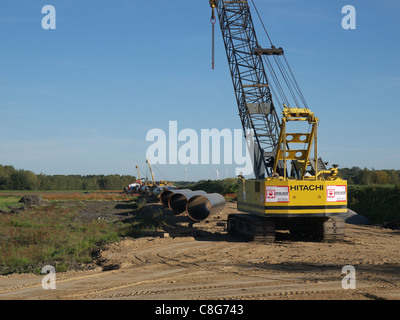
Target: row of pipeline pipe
(199, 205)
(178, 201)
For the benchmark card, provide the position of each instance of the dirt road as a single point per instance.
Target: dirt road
(204, 263)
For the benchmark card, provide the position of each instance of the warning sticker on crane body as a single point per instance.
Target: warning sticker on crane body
(336, 194)
(276, 194)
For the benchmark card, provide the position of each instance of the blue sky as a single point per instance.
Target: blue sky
(80, 99)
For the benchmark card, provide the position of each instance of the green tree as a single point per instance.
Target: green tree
(365, 177)
(381, 177)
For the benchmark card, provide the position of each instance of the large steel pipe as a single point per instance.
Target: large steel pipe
(166, 194)
(200, 207)
(178, 201)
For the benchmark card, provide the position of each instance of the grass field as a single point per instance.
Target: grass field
(68, 195)
(9, 200)
(53, 233)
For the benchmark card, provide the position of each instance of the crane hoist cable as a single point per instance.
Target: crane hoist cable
(296, 84)
(259, 17)
(155, 167)
(285, 71)
(142, 172)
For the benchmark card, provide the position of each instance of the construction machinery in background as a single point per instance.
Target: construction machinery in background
(140, 180)
(143, 185)
(153, 185)
(134, 187)
(291, 190)
(148, 186)
(156, 185)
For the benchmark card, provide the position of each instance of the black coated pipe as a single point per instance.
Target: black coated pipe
(201, 207)
(178, 201)
(166, 194)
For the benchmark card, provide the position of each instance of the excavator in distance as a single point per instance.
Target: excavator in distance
(293, 189)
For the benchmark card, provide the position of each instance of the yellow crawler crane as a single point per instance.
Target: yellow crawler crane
(308, 206)
(291, 190)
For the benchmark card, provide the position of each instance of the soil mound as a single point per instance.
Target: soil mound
(31, 200)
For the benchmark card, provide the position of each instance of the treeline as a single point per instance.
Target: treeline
(358, 176)
(13, 179)
(226, 186)
(379, 203)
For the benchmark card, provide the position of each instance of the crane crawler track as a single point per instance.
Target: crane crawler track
(260, 229)
(333, 230)
(251, 227)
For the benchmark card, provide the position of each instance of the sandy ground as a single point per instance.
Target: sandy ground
(203, 262)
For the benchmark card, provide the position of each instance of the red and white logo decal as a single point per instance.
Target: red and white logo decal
(270, 194)
(336, 193)
(277, 194)
(331, 194)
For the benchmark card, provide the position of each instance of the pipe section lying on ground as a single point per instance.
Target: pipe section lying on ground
(166, 194)
(200, 207)
(178, 201)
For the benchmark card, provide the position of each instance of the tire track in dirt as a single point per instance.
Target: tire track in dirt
(147, 279)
